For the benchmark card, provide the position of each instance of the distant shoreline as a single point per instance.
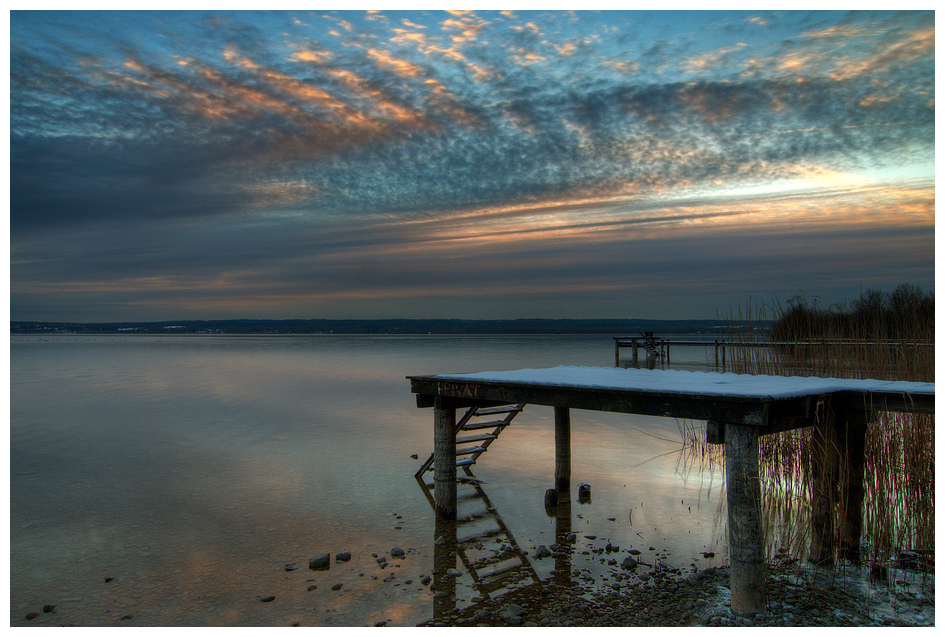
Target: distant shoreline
(255, 327)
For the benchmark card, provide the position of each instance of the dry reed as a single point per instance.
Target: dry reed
(899, 510)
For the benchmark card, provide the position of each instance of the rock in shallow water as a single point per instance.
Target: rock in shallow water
(584, 492)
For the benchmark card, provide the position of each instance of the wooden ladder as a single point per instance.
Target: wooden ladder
(498, 419)
(494, 571)
(649, 344)
(503, 565)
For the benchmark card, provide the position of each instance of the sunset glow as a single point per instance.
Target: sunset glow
(428, 164)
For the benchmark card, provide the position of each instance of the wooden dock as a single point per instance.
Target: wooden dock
(738, 409)
(658, 347)
(662, 347)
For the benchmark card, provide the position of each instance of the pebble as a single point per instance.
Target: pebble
(397, 552)
(320, 562)
(337, 587)
(290, 567)
(343, 556)
(32, 615)
(268, 598)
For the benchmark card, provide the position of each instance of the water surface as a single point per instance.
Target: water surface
(193, 469)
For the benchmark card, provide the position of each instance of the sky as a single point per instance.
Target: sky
(465, 164)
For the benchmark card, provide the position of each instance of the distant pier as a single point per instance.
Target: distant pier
(657, 347)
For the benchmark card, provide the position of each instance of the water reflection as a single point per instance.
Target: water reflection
(480, 541)
(193, 469)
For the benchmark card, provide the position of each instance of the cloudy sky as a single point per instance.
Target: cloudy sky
(332, 164)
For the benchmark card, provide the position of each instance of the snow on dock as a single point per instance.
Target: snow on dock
(693, 383)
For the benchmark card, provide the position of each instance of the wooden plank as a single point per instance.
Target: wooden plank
(469, 450)
(911, 403)
(738, 409)
(490, 411)
(492, 424)
(465, 439)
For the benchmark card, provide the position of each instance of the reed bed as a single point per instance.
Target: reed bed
(899, 503)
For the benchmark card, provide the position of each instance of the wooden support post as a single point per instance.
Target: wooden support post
(824, 467)
(746, 553)
(633, 343)
(852, 466)
(562, 451)
(444, 458)
(715, 432)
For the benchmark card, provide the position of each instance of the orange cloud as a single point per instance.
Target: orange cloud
(399, 67)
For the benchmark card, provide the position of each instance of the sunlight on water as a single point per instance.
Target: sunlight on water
(193, 471)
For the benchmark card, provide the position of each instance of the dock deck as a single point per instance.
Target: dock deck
(737, 409)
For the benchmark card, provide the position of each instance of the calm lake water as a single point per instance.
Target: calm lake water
(193, 469)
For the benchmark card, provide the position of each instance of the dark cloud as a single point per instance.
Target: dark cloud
(282, 148)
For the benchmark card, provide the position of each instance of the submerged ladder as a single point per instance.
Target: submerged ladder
(499, 419)
(484, 544)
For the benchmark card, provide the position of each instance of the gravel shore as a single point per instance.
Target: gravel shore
(802, 597)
